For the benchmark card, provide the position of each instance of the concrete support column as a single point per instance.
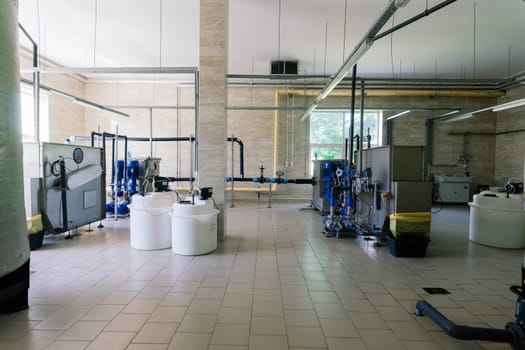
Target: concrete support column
(14, 246)
(213, 95)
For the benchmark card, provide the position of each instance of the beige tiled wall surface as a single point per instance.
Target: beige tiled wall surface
(277, 140)
(510, 148)
(65, 117)
(213, 121)
(164, 122)
(447, 148)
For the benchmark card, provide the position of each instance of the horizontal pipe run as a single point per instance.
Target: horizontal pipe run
(369, 107)
(486, 133)
(251, 189)
(463, 332)
(302, 80)
(397, 93)
(116, 70)
(301, 181)
(173, 179)
(414, 19)
(129, 138)
(163, 139)
(262, 108)
(292, 181)
(150, 107)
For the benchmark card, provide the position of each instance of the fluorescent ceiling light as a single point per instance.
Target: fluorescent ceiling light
(402, 3)
(308, 111)
(361, 48)
(347, 66)
(508, 105)
(449, 113)
(459, 117)
(398, 115)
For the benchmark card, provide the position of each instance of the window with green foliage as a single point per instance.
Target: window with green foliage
(329, 129)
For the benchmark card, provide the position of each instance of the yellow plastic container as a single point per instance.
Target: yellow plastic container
(410, 223)
(34, 224)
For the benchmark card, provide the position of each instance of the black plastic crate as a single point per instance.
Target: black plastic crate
(409, 246)
(35, 240)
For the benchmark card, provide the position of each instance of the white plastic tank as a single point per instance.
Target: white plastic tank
(150, 220)
(497, 221)
(194, 227)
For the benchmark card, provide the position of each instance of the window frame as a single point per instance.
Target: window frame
(345, 114)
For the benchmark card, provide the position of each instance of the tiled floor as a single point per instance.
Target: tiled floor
(275, 283)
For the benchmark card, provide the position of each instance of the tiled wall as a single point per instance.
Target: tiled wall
(165, 122)
(65, 117)
(510, 148)
(493, 159)
(447, 148)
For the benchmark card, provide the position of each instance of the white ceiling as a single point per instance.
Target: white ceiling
(128, 33)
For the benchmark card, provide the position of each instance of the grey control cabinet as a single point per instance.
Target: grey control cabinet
(453, 188)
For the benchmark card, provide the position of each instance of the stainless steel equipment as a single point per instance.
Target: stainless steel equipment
(73, 186)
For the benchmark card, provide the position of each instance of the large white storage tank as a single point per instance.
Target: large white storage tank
(150, 220)
(497, 220)
(194, 227)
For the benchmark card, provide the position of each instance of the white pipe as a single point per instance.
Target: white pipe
(115, 70)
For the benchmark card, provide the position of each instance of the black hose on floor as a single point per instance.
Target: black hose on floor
(465, 332)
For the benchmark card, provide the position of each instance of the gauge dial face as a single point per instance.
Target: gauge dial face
(78, 155)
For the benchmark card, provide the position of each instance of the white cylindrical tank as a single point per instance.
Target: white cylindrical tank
(150, 221)
(194, 227)
(497, 221)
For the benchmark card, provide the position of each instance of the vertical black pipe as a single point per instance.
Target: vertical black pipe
(104, 169)
(36, 95)
(241, 153)
(362, 108)
(113, 160)
(352, 110)
(389, 126)
(63, 189)
(430, 143)
(93, 134)
(346, 149)
(241, 157)
(125, 175)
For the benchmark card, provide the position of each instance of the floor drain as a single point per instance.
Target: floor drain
(436, 290)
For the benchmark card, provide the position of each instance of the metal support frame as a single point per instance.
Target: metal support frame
(362, 113)
(352, 109)
(233, 173)
(131, 70)
(197, 117)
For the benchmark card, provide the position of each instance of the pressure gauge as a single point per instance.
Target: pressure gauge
(78, 155)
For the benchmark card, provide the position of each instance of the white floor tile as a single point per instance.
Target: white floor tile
(275, 282)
